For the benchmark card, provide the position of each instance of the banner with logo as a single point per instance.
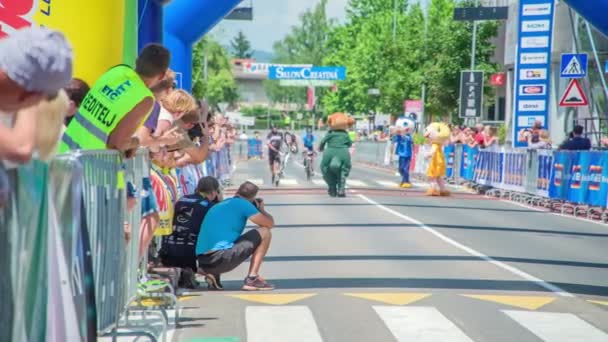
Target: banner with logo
(515, 171)
(532, 66)
(449, 152)
(164, 189)
(560, 180)
(545, 169)
(467, 166)
(577, 191)
(598, 179)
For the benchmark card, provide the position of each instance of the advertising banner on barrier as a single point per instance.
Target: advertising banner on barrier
(515, 171)
(449, 152)
(598, 179)
(545, 168)
(579, 171)
(469, 159)
(560, 179)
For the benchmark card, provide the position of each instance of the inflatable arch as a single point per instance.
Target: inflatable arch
(102, 33)
(178, 26)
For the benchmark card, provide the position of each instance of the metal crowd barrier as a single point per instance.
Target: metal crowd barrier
(68, 272)
(254, 148)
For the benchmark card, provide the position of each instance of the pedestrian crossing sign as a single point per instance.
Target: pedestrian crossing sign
(574, 65)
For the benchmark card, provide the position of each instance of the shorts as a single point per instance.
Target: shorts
(226, 260)
(274, 157)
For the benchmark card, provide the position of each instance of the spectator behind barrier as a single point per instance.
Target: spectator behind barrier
(178, 249)
(48, 113)
(109, 116)
(220, 247)
(76, 90)
(150, 135)
(544, 140)
(576, 142)
(35, 64)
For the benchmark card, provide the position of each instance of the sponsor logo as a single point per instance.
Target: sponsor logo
(559, 174)
(532, 74)
(577, 177)
(536, 26)
(532, 89)
(534, 58)
(532, 106)
(534, 42)
(595, 177)
(15, 15)
(537, 9)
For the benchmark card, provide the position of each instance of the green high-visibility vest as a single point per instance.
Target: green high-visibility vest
(114, 95)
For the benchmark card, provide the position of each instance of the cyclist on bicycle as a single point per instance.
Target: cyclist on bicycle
(275, 140)
(308, 140)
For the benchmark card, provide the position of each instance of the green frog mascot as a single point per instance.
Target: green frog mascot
(335, 146)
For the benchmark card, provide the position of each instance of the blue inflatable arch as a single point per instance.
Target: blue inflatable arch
(179, 25)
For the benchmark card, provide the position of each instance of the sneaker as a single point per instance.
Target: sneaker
(256, 284)
(213, 282)
(406, 185)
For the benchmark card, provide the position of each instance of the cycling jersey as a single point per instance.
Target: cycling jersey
(309, 141)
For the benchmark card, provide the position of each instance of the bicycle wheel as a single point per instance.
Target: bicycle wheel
(308, 174)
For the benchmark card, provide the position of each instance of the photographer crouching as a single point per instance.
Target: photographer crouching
(220, 247)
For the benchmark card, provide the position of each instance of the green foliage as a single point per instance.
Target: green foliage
(418, 138)
(305, 44)
(220, 85)
(241, 47)
(502, 133)
(398, 65)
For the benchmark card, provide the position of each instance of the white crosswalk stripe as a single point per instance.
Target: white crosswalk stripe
(421, 324)
(563, 327)
(387, 184)
(289, 181)
(318, 182)
(354, 182)
(281, 324)
(257, 181)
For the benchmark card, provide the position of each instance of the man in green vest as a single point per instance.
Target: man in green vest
(117, 104)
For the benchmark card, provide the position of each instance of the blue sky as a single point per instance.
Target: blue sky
(272, 20)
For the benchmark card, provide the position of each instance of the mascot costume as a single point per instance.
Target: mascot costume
(437, 133)
(336, 165)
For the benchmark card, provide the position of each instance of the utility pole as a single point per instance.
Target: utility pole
(473, 51)
(423, 95)
(394, 20)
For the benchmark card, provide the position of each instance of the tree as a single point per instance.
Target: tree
(220, 85)
(399, 66)
(305, 44)
(241, 47)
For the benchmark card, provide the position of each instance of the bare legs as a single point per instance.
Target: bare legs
(260, 252)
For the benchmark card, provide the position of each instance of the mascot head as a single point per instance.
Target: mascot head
(340, 121)
(405, 124)
(437, 132)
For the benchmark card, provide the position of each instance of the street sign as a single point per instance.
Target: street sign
(412, 106)
(306, 83)
(471, 94)
(532, 65)
(262, 68)
(574, 65)
(498, 79)
(325, 73)
(481, 13)
(574, 96)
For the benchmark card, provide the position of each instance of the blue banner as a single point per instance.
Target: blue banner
(579, 182)
(545, 168)
(467, 165)
(532, 66)
(449, 152)
(560, 180)
(515, 169)
(598, 179)
(307, 73)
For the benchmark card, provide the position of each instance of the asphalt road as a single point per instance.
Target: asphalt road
(388, 265)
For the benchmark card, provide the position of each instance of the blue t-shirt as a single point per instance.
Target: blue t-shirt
(403, 145)
(224, 224)
(308, 140)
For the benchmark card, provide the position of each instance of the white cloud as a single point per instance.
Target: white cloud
(272, 20)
